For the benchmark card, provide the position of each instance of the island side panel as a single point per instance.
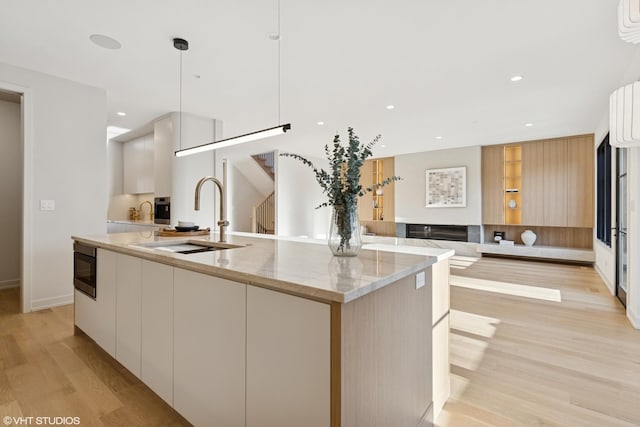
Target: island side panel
(440, 318)
(386, 361)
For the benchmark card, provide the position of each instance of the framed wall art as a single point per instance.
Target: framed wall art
(447, 188)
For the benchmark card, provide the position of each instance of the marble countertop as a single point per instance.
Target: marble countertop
(299, 266)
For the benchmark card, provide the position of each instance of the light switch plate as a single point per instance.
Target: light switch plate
(47, 205)
(420, 280)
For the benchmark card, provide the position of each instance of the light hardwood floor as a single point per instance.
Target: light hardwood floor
(46, 371)
(517, 360)
(529, 361)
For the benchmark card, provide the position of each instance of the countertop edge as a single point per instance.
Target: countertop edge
(298, 289)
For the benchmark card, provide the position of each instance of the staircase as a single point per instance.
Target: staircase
(266, 162)
(264, 214)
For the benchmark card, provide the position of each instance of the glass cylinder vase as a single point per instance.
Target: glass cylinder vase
(344, 234)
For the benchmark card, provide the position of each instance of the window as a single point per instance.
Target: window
(603, 196)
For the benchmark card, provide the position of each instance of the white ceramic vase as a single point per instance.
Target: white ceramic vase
(528, 237)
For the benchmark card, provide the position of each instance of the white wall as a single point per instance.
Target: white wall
(65, 161)
(297, 195)
(10, 192)
(411, 191)
(243, 196)
(188, 170)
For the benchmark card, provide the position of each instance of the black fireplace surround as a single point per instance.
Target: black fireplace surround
(455, 233)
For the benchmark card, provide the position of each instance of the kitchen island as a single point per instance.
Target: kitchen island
(274, 331)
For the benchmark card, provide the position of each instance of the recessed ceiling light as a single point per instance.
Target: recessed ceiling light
(383, 146)
(438, 137)
(105, 41)
(528, 124)
(390, 107)
(320, 123)
(516, 78)
(121, 113)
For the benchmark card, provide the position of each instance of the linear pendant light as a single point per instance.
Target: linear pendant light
(265, 133)
(240, 139)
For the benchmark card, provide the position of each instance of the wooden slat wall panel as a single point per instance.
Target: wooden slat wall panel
(365, 203)
(555, 182)
(386, 361)
(492, 184)
(580, 171)
(532, 183)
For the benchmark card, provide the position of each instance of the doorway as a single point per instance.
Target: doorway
(621, 225)
(11, 188)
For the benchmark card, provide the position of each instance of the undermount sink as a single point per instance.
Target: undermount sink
(186, 247)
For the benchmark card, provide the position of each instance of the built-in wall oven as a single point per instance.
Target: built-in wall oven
(84, 269)
(162, 207)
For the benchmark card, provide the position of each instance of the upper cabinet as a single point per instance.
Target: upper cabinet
(539, 183)
(138, 168)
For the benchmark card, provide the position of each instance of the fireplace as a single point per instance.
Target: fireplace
(455, 233)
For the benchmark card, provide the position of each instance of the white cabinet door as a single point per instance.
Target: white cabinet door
(156, 369)
(97, 318)
(288, 360)
(138, 165)
(209, 349)
(128, 304)
(105, 310)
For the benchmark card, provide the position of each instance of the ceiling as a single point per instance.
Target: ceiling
(444, 64)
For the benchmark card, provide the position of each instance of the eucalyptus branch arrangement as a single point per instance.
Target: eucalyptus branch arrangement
(342, 183)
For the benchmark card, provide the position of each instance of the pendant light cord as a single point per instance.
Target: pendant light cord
(279, 66)
(180, 100)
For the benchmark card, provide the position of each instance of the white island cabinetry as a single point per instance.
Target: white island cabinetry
(156, 329)
(288, 360)
(128, 302)
(97, 318)
(209, 349)
(292, 342)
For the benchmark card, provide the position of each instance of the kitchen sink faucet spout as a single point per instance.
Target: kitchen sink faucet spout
(222, 223)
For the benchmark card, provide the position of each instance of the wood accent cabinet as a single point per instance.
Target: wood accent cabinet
(493, 184)
(556, 178)
(532, 183)
(555, 183)
(556, 197)
(580, 181)
(373, 206)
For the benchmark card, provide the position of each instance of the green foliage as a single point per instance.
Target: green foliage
(342, 183)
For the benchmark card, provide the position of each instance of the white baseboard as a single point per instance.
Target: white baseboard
(610, 286)
(41, 304)
(6, 284)
(635, 320)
